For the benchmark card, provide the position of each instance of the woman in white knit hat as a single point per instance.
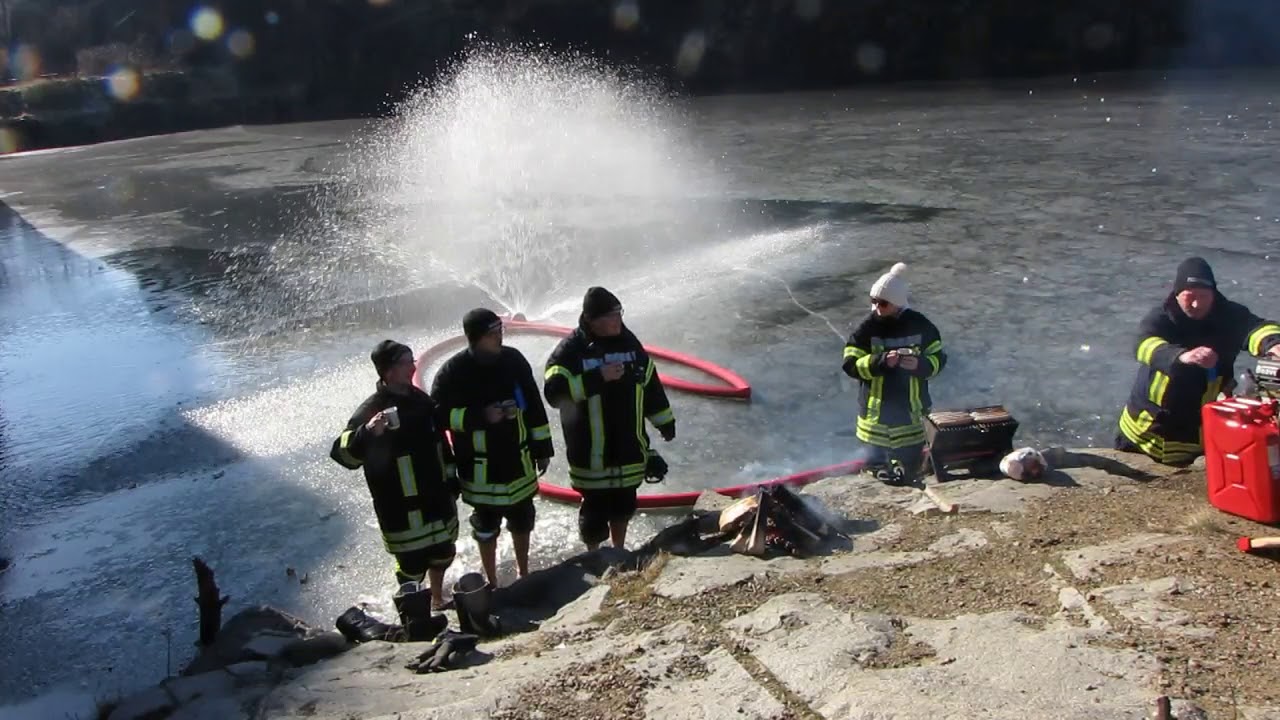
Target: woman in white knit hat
(892, 354)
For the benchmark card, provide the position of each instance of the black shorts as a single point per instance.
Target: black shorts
(413, 565)
(601, 507)
(486, 520)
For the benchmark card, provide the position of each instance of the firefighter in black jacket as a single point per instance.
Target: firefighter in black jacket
(606, 386)
(1186, 349)
(394, 435)
(892, 354)
(501, 438)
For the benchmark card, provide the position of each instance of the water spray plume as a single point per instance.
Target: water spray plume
(531, 174)
(526, 174)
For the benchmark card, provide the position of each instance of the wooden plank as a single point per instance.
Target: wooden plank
(943, 504)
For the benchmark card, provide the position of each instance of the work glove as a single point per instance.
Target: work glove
(655, 468)
(448, 651)
(543, 464)
(668, 431)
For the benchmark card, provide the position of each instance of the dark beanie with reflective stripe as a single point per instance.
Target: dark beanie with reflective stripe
(1192, 273)
(599, 302)
(478, 323)
(387, 353)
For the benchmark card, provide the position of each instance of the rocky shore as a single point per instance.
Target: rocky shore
(1088, 595)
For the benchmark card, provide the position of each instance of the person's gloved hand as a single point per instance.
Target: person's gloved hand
(656, 467)
(543, 464)
(668, 431)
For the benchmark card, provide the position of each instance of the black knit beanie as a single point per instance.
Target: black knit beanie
(387, 353)
(479, 322)
(599, 302)
(1194, 272)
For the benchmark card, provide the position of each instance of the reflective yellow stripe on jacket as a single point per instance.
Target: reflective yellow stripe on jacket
(344, 454)
(1259, 336)
(421, 534)
(479, 491)
(626, 476)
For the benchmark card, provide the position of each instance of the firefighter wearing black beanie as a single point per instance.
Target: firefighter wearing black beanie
(1186, 349)
(606, 386)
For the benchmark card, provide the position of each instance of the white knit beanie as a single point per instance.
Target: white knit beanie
(891, 286)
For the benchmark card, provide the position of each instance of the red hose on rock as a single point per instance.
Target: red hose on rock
(733, 386)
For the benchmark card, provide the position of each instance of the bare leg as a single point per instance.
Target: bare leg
(618, 532)
(489, 559)
(520, 541)
(436, 577)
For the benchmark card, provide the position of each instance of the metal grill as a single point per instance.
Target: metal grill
(1267, 375)
(974, 439)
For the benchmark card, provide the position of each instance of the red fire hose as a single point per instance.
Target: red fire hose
(733, 387)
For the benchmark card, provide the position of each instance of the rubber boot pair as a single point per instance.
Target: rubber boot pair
(472, 599)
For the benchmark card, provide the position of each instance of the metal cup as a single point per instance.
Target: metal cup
(392, 414)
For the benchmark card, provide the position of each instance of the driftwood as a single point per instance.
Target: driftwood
(209, 601)
(1163, 709)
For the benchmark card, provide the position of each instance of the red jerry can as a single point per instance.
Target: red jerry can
(1242, 457)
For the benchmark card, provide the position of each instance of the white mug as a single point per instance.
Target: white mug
(392, 414)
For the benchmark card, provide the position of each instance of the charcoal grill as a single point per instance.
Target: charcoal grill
(973, 440)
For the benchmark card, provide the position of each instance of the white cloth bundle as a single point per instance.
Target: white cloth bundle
(1024, 464)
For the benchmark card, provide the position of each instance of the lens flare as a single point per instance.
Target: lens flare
(689, 56)
(9, 141)
(240, 43)
(124, 84)
(207, 23)
(26, 62)
(626, 15)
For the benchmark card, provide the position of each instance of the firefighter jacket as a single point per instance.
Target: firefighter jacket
(893, 400)
(495, 462)
(1162, 416)
(406, 470)
(603, 422)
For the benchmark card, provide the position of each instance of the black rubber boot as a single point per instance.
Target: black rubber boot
(358, 626)
(413, 603)
(471, 600)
